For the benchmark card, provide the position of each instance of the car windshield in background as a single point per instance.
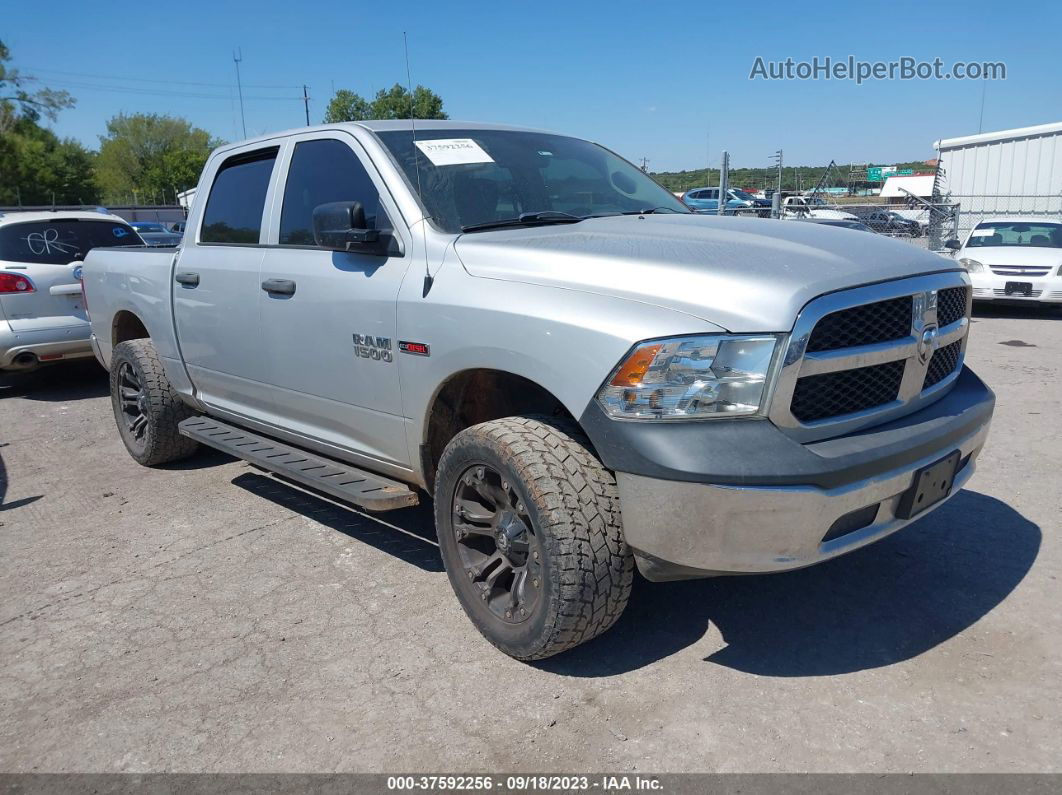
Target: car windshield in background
(62, 240)
(745, 197)
(1016, 233)
(473, 177)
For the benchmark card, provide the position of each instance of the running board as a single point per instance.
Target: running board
(347, 483)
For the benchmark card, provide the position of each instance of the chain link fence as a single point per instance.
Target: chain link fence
(927, 225)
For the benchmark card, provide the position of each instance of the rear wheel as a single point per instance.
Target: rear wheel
(529, 530)
(147, 409)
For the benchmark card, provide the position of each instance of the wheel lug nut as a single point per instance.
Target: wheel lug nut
(536, 554)
(480, 472)
(534, 582)
(508, 613)
(523, 612)
(484, 596)
(471, 575)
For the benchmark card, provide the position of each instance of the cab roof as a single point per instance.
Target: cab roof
(26, 216)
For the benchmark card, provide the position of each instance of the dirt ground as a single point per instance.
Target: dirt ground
(205, 617)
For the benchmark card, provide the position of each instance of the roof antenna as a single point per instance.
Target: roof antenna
(428, 279)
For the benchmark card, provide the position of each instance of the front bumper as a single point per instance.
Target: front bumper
(988, 286)
(68, 341)
(745, 498)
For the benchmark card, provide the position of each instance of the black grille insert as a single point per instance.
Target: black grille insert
(881, 321)
(951, 305)
(818, 397)
(942, 364)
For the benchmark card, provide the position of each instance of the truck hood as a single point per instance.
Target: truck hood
(744, 274)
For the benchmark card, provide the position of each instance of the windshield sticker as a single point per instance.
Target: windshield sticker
(119, 231)
(983, 232)
(47, 243)
(453, 151)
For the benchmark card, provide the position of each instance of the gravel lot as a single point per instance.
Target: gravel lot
(208, 618)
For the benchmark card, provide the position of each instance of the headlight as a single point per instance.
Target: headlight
(690, 378)
(972, 265)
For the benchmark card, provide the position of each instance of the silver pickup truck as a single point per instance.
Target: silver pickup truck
(585, 376)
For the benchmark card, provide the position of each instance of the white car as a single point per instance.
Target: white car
(1016, 258)
(42, 310)
(806, 207)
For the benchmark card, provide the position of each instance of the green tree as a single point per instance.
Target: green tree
(21, 96)
(392, 103)
(150, 156)
(36, 167)
(346, 106)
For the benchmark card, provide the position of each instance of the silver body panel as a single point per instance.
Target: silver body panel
(558, 305)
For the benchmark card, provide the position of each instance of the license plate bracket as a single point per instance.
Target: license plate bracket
(1018, 288)
(931, 485)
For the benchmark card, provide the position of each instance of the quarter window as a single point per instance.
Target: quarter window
(321, 172)
(237, 199)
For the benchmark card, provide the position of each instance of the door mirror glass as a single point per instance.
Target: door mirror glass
(952, 245)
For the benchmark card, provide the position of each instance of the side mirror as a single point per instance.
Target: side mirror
(952, 245)
(340, 226)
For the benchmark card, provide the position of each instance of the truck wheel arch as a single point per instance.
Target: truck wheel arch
(470, 397)
(127, 326)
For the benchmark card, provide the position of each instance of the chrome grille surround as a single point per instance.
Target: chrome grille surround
(797, 362)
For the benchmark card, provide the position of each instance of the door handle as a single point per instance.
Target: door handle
(188, 279)
(279, 286)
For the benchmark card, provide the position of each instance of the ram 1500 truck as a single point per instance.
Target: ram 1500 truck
(585, 376)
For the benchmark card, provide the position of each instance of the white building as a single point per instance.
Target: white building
(898, 187)
(184, 198)
(1011, 171)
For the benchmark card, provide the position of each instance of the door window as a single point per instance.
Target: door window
(237, 199)
(321, 172)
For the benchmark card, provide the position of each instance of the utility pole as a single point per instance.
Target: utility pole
(724, 181)
(645, 165)
(776, 200)
(306, 102)
(237, 56)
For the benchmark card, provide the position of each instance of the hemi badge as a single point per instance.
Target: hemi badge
(416, 348)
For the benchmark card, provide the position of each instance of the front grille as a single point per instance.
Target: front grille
(863, 325)
(1019, 270)
(942, 364)
(819, 397)
(951, 305)
(1004, 294)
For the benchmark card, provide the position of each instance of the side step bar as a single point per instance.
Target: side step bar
(347, 483)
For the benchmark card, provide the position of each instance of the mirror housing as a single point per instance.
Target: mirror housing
(952, 245)
(340, 226)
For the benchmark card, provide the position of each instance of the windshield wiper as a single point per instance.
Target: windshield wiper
(526, 219)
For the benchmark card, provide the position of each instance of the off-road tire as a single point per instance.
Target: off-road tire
(571, 499)
(160, 442)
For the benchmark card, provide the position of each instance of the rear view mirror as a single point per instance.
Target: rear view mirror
(341, 226)
(952, 245)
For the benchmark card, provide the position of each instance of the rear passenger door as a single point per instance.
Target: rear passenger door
(332, 341)
(217, 288)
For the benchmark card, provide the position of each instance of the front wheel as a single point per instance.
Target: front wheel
(530, 534)
(147, 409)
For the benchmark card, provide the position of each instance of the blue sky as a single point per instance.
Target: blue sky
(665, 81)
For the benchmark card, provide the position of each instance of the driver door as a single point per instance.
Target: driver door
(331, 342)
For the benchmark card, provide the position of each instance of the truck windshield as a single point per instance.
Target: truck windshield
(1014, 233)
(472, 177)
(62, 240)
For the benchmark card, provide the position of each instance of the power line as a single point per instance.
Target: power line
(152, 91)
(148, 79)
